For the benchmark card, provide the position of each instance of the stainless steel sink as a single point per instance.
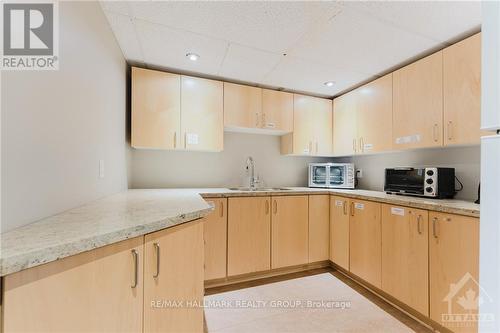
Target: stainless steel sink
(259, 189)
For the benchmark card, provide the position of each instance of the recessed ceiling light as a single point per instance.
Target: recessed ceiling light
(192, 56)
(329, 83)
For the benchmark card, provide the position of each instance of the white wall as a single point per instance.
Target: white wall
(465, 160)
(155, 168)
(57, 125)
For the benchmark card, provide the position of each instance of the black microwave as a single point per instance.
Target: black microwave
(424, 182)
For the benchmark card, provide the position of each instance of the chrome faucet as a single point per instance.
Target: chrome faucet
(251, 168)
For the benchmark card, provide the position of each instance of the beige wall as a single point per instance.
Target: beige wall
(466, 161)
(155, 168)
(57, 125)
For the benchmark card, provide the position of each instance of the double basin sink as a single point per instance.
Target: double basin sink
(258, 189)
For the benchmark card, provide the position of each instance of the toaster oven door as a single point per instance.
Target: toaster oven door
(405, 180)
(318, 176)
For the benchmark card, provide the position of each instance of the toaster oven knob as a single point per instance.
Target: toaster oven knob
(430, 173)
(428, 189)
(429, 181)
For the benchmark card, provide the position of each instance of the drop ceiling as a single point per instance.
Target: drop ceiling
(296, 46)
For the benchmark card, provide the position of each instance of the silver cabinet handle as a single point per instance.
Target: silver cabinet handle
(354, 145)
(256, 119)
(449, 130)
(360, 145)
(267, 207)
(135, 259)
(344, 207)
(419, 224)
(275, 203)
(222, 209)
(435, 132)
(157, 253)
(434, 227)
(352, 208)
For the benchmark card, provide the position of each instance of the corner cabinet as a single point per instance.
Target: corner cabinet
(215, 240)
(312, 127)
(319, 227)
(171, 111)
(418, 104)
(344, 124)
(242, 106)
(339, 231)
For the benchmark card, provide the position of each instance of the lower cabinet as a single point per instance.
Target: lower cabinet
(405, 272)
(248, 235)
(339, 231)
(173, 272)
(365, 248)
(95, 291)
(319, 227)
(290, 241)
(454, 271)
(215, 239)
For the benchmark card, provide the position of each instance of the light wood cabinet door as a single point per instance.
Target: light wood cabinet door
(454, 269)
(242, 106)
(405, 256)
(156, 109)
(319, 227)
(215, 237)
(365, 248)
(322, 127)
(202, 123)
(88, 292)
(374, 116)
(302, 136)
(462, 92)
(418, 104)
(345, 124)
(248, 235)
(173, 272)
(277, 110)
(289, 231)
(339, 231)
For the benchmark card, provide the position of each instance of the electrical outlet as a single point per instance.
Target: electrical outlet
(359, 173)
(101, 168)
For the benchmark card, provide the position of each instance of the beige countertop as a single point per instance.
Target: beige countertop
(135, 213)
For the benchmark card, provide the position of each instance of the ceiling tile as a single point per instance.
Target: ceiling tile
(167, 47)
(248, 64)
(117, 7)
(303, 75)
(266, 25)
(124, 31)
(438, 20)
(364, 44)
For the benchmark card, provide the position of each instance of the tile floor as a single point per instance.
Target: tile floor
(262, 313)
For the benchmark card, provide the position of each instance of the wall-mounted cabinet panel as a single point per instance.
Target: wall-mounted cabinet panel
(156, 109)
(242, 106)
(462, 92)
(454, 269)
(374, 116)
(345, 124)
(215, 238)
(319, 227)
(248, 235)
(289, 235)
(365, 248)
(202, 123)
(312, 127)
(339, 231)
(277, 110)
(405, 256)
(418, 104)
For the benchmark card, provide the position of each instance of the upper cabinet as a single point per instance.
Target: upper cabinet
(242, 106)
(202, 123)
(277, 110)
(418, 103)
(462, 92)
(156, 109)
(312, 127)
(374, 116)
(252, 108)
(344, 124)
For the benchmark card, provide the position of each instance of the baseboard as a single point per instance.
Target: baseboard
(265, 274)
